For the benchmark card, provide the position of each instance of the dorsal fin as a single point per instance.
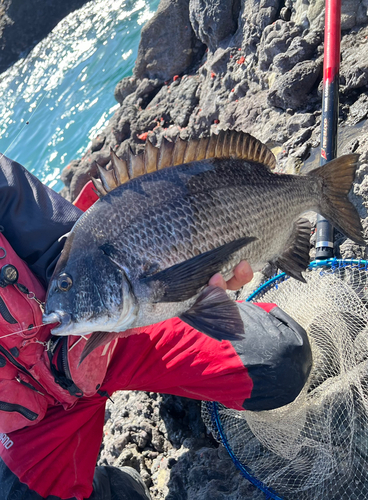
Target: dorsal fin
(108, 178)
(165, 155)
(179, 152)
(227, 144)
(99, 186)
(136, 165)
(150, 157)
(120, 168)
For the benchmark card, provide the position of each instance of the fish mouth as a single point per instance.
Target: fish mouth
(68, 327)
(63, 318)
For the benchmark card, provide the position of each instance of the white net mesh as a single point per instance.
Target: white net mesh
(316, 447)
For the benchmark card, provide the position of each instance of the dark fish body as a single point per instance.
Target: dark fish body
(145, 251)
(161, 219)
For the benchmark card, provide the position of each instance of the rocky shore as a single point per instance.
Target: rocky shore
(205, 66)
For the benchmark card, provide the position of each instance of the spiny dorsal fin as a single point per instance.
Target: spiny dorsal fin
(165, 155)
(99, 186)
(211, 146)
(136, 165)
(108, 178)
(179, 151)
(190, 150)
(150, 157)
(227, 144)
(120, 168)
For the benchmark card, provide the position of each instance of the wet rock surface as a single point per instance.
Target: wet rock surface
(203, 67)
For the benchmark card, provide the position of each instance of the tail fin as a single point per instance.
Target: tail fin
(337, 178)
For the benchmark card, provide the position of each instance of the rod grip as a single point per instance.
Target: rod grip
(324, 242)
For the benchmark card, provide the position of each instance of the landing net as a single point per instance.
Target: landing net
(317, 446)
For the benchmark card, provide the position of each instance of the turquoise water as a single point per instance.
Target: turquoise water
(64, 88)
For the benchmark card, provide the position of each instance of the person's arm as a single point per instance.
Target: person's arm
(265, 370)
(34, 217)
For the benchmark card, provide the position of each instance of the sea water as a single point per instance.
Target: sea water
(55, 100)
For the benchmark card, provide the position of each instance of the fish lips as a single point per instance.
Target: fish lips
(62, 318)
(66, 326)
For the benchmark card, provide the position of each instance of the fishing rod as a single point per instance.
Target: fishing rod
(330, 113)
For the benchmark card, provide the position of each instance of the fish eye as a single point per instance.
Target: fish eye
(64, 282)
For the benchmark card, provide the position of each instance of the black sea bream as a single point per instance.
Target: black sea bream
(145, 251)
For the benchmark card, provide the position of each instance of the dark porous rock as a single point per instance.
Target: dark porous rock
(172, 104)
(301, 48)
(168, 45)
(125, 87)
(285, 13)
(276, 40)
(256, 15)
(298, 121)
(206, 473)
(291, 89)
(354, 64)
(24, 23)
(184, 100)
(68, 173)
(353, 13)
(82, 175)
(98, 142)
(146, 91)
(358, 110)
(214, 20)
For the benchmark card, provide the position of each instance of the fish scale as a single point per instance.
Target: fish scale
(145, 251)
(221, 204)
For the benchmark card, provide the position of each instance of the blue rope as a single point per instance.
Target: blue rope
(265, 286)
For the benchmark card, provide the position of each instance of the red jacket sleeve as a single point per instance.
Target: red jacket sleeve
(173, 358)
(266, 369)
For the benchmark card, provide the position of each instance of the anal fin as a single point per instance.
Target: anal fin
(216, 315)
(295, 258)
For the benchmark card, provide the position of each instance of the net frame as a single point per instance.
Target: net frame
(211, 411)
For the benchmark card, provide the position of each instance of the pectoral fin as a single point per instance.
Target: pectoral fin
(216, 315)
(182, 281)
(295, 257)
(95, 340)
